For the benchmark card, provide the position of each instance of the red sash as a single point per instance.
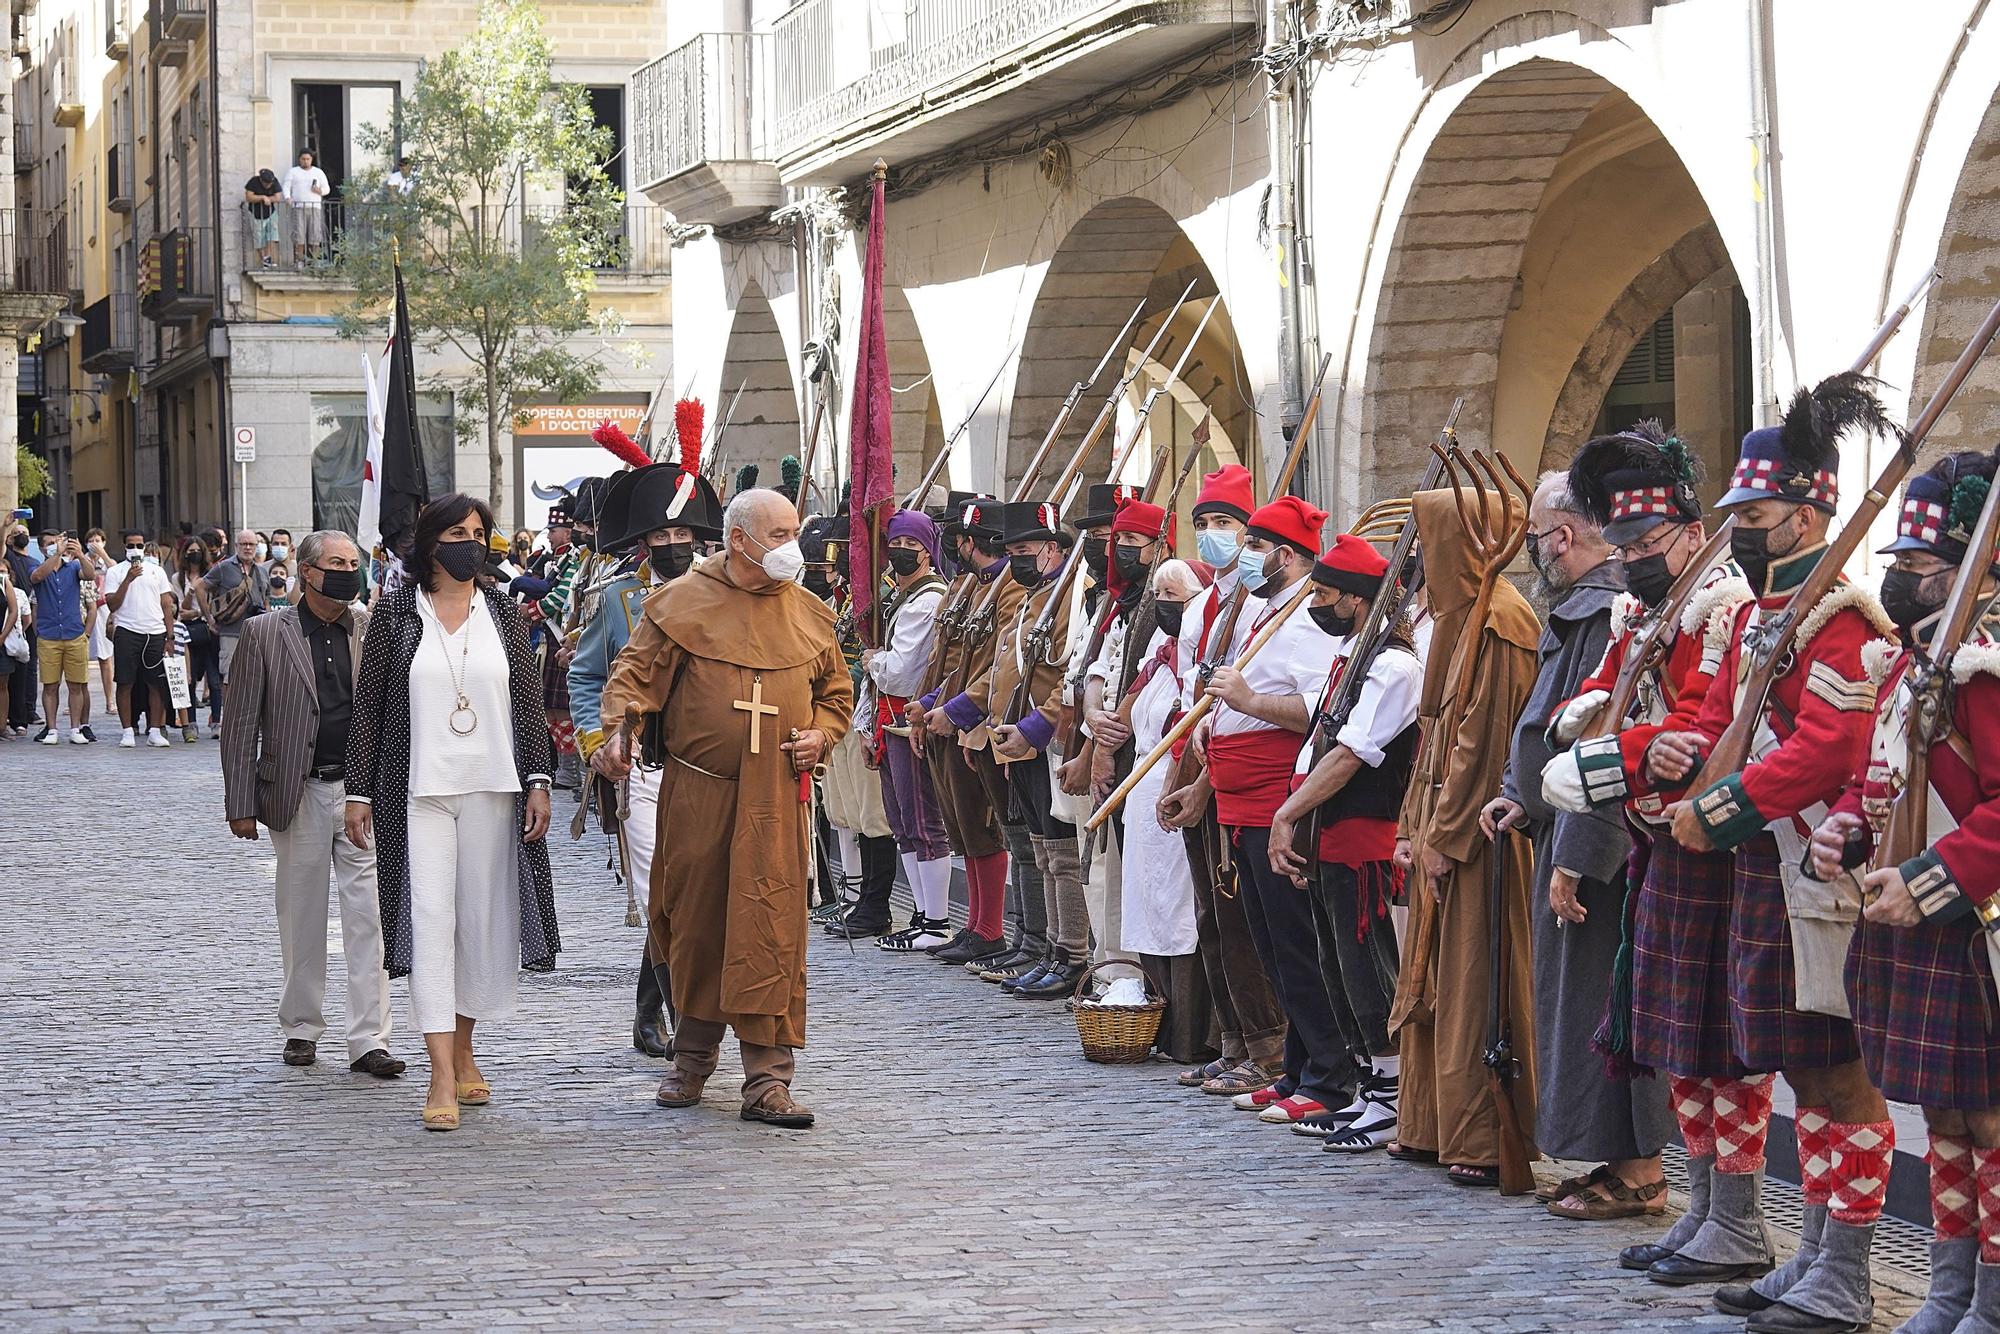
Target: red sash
(1251, 773)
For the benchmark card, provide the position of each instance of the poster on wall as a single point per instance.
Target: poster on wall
(554, 447)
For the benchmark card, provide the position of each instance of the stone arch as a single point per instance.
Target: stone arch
(765, 426)
(1547, 213)
(1122, 251)
(1968, 261)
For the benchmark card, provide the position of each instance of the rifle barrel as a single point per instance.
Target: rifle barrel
(1895, 319)
(1304, 431)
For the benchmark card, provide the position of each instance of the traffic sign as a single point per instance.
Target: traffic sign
(246, 444)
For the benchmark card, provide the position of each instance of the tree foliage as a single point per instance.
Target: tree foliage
(503, 282)
(33, 473)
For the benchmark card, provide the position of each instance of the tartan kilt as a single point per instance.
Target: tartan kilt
(1680, 964)
(1923, 1008)
(1765, 1029)
(555, 678)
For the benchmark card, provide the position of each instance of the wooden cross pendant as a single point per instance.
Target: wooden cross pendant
(755, 706)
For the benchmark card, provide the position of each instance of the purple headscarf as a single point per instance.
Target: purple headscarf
(917, 525)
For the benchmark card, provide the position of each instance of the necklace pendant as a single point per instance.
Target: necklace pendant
(463, 721)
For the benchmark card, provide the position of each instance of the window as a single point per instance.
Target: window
(340, 436)
(332, 119)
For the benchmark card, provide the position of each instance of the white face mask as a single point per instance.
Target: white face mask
(280, 551)
(262, 551)
(135, 553)
(782, 562)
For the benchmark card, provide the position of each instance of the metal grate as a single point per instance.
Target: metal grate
(1902, 1251)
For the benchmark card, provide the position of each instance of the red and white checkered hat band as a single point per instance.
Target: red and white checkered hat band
(1761, 475)
(1921, 520)
(1638, 504)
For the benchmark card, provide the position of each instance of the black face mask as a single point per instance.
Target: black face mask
(461, 560)
(339, 585)
(1168, 615)
(1131, 563)
(1027, 570)
(904, 561)
(1751, 549)
(1095, 554)
(1902, 598)
(1534, 545)
(671, 560)
(818, 583)
(1649, 579)
(1327, 619)
(18, 541)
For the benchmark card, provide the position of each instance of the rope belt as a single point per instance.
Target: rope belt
(706, 773)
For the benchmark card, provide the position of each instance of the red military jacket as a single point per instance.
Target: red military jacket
(1819, 713)
(1960, 870)
(1670, 692)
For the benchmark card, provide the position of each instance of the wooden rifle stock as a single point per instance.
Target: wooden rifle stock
(1502, 1066)
(1770, 647)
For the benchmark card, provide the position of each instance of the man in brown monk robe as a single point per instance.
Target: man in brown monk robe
(741, 663)
(1442, 1005)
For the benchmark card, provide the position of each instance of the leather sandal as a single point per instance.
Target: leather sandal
(1195, 1078)
(1620, 1201)
(1244, 1078)
(1568, 1186)
(1404, 1153)
(473, 1092)
(1473, 1178)
(440, 1118)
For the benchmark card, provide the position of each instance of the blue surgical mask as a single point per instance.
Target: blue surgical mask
(1217, 546)
(1251, 567)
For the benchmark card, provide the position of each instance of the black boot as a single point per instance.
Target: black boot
(878, 881)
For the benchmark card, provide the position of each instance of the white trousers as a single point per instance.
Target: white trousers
(641, 827)
(465, 909)
(315, 845)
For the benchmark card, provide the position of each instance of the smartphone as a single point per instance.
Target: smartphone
(24, 515)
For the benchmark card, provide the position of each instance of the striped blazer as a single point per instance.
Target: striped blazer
(272, 716)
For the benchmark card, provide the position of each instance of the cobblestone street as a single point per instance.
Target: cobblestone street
(164, 1170)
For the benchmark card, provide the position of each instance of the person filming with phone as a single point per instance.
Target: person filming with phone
(65, 599)
(140, 598)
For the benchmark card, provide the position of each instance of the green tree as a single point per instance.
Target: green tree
(505, 284)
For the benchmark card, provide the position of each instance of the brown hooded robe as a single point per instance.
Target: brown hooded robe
(728, 898)
(1440, 1013)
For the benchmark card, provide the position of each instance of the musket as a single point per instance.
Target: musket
(1503, 1067)
(1895, 318)
(978, 622)
(628, 731)
(1929, 680)
(712, 449)
(1224, 628)
(812, 452)
(644, 436)
(1770, 644)
(916, 497)
(952, 617)
(1392, 602)
(1038, 637)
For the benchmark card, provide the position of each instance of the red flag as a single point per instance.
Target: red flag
(871, 466)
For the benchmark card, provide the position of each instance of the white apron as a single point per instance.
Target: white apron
(1159, 886)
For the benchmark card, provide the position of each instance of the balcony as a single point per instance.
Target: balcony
(183, 20)
(118, 178)
(24, 145)
(698, 129)
(177, 276)
(110, 332)
(117, 37)
(943, 71)
(169, 48)
(304, 242)
(34, 255)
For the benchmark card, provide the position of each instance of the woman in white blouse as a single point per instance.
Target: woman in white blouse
(448, 766)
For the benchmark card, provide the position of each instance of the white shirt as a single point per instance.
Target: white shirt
(299, 183)
(1388, 704)
(1190, 637)
(1294, 661)
(400, 183)
(442, 763)
(899, 668)
(140, 611)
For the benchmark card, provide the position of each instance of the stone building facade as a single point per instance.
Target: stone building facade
(1569, 215)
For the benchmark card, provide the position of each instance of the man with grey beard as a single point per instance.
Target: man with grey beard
(1578, 903)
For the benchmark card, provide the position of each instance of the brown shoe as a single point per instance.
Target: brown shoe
(679, 1090)
(776, 1108)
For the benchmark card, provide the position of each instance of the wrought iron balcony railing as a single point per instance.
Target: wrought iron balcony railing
(700, 103)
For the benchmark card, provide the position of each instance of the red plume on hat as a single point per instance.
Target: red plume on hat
(612, 436)
(687, 429)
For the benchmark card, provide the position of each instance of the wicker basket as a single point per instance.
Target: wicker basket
(1118, 1034)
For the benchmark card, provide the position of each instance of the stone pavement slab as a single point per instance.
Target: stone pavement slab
(161, 1169)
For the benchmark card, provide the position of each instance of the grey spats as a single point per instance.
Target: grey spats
(1734, 1231)
(1952, 1266)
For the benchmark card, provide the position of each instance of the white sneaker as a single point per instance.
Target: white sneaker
(127, 739)
(79, 738)
(158, 740)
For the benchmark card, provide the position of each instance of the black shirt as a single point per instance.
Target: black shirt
(257, 185)
(333, 669)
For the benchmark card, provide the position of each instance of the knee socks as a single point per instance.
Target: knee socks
(1815, 1154)
(850, 853)
(932, 885)
(1740, 1119)
(1954, 1187)
(986, 877)
(1691, 1099)
(1861, 1154)
(1986, 1163)
(909, 861)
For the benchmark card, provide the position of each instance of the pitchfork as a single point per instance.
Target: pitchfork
(1496, 536)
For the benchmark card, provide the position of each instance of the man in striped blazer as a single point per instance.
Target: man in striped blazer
(284, 746)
